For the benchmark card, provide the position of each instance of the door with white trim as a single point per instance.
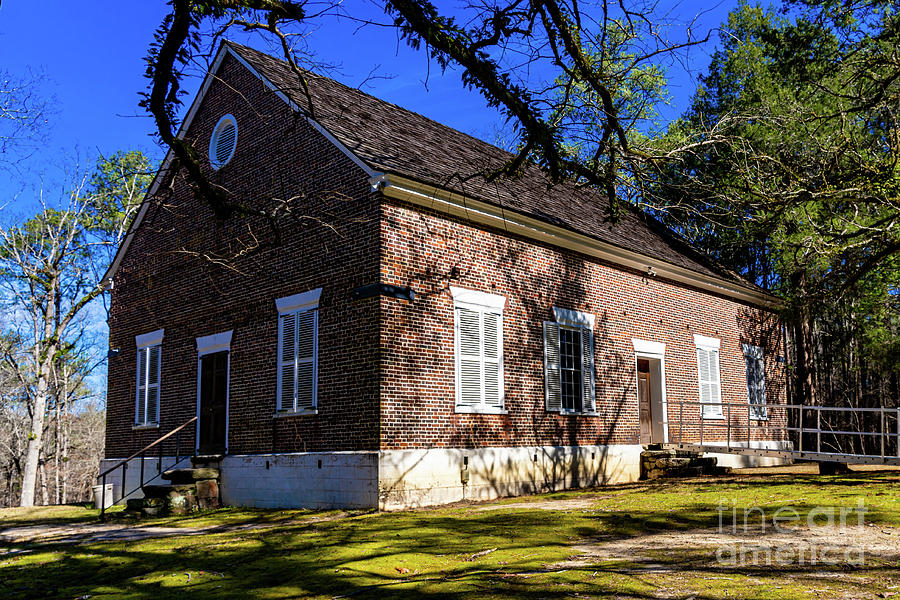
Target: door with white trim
(213, 405)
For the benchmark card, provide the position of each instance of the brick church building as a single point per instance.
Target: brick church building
(410, 334)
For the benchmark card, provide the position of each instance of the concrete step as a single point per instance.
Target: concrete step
(189, 475)
(203, 460)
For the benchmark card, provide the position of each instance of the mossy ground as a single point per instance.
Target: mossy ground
(535, 551)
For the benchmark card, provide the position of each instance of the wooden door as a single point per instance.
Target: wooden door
(644, 400)
(213, 402)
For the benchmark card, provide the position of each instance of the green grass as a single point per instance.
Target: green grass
(428, 553)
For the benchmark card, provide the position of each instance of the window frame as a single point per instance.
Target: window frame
(214, 161)
(712, 346)
(481, 303)
(572, 320)
(145, 345)
(758, 411)
(296, 305)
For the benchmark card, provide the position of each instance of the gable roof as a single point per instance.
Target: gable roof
(426, 162)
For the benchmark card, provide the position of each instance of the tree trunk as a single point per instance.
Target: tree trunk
(56, 454)
(33, 448)
(42, 470)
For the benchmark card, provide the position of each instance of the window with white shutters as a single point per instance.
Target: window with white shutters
(569, 380)
(708, 376)
(756, 381)
(478, 324)
(297, 360)
(298, 349)
(149, 368)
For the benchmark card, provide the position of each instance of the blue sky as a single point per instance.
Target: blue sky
(92, 61)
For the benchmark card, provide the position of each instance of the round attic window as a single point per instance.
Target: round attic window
(223, 142)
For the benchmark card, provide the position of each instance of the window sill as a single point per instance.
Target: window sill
(144, 426)
(712, 417)
(295, 413)
(576, 413)
(762, 419)
(475, 410)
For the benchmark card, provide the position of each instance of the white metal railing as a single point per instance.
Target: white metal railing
(738, 421)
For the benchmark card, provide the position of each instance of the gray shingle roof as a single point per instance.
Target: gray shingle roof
(391, 139)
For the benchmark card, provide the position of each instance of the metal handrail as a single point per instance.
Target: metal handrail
(726, 421)
(123, 464)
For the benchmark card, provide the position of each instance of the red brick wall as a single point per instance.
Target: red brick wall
(163, 283)
(386, 368)
(430, 252)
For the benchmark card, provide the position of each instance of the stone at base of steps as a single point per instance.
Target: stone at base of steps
(190, 490)
(657, 463)
(190, 475)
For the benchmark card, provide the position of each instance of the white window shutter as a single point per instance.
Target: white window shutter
(153, 376)
(493, 356)
(469, 349)
(287, 361)
(306, 356)
(141, 392)
(552, 384)
(587, 354)
(708, 371)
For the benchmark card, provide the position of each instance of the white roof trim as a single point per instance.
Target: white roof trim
(447, 202)
(708, 343)
(349, 153)
(577, 318)
(223, 51)
(217, 342)
(154, 338)
(305, 300)
(477, 299)
(647, 348)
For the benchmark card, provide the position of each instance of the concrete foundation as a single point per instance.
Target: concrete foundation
(400, 479)
(737, 461)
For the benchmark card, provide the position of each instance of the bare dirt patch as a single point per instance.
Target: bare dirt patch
(712, 548)
(580, 503)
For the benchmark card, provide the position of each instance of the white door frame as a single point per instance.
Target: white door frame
(210, 344)
(654, 351)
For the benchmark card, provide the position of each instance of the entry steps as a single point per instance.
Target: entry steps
(658, 463)
(189, 489)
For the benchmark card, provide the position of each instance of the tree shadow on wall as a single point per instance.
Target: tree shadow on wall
(550, 451)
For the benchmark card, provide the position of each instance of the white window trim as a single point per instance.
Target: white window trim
(298, 303)
(154, 338)
(480, 302)
(649, 349)
(575, 319)
(757, 353)
(474, 298)
(305, 300)
(218, 342)
(211, 151)
(707, 343)
(144, 342)
(710, 344)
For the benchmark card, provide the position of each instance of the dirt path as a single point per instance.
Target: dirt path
(98, 532)
(711, 548)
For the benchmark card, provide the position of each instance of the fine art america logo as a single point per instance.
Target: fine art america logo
(787, 536)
